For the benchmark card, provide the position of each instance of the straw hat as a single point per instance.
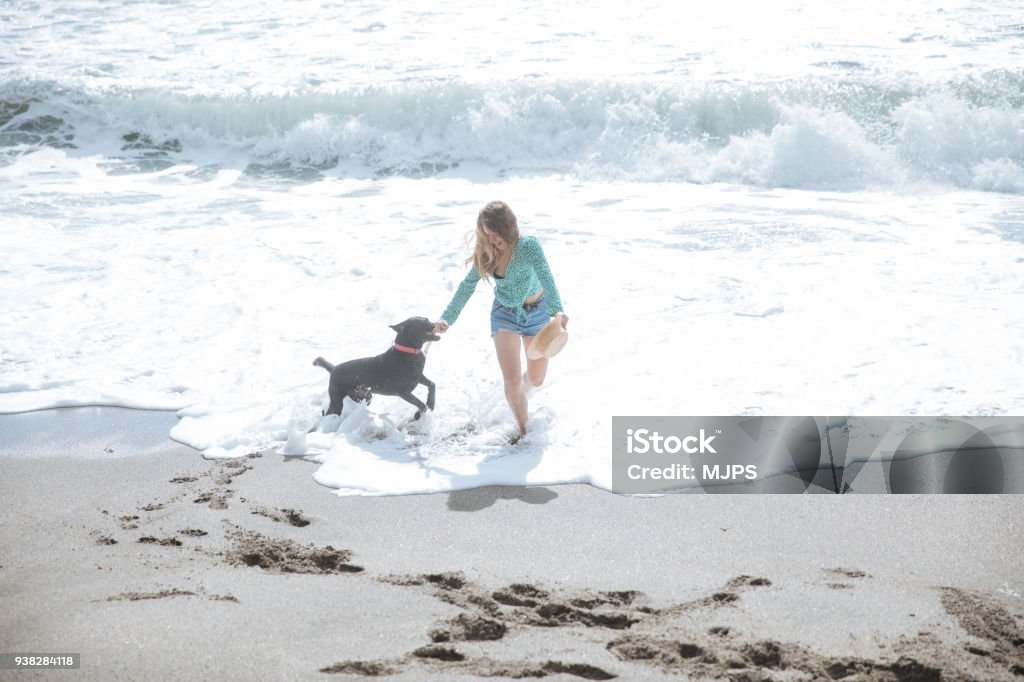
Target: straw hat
(549, 341)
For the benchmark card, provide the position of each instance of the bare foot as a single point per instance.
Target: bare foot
(515, 437)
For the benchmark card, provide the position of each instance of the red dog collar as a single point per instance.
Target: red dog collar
(406, 349)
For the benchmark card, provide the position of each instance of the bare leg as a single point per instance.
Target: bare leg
(506, 345)
(536, 370)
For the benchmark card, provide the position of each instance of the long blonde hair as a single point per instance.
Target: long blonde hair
(497, 217)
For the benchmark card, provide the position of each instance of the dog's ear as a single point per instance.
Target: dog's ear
(397, 327)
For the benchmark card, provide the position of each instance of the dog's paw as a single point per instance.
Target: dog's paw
(419, 413)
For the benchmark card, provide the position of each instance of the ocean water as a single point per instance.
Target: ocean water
(750, 208)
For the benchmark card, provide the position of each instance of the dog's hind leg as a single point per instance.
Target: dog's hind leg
(334, 408)
(337, 396)
(359, 394)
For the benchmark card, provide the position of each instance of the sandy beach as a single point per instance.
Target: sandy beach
(789, 237)
(154, 563)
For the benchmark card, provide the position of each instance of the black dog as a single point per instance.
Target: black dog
(396, 371)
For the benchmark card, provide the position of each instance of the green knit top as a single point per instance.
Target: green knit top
(526, 274)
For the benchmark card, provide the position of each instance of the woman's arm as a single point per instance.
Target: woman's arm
(461, 297)
(535, 257)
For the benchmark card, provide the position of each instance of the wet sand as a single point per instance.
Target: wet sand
(154, 563)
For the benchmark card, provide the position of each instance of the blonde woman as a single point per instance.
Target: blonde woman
(525, 299)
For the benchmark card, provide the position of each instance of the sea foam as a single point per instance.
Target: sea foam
(835, 135)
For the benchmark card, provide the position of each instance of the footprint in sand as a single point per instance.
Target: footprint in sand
(167, 594)
(163, 542)
(987, 620)
(192, 532)
(292, 517)
(276, 555)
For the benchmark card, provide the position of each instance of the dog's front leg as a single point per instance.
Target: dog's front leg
(410, 398)
(431, 388)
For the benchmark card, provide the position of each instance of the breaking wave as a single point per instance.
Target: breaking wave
(813, 134)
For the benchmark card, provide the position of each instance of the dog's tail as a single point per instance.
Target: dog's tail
(320, 362)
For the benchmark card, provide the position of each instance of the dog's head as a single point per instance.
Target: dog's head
(415, 332)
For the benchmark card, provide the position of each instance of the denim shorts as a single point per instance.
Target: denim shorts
(512, 320)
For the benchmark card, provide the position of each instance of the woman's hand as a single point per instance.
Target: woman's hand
(440, 327)
(564, 318)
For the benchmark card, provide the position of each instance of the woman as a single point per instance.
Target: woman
(525, 299)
